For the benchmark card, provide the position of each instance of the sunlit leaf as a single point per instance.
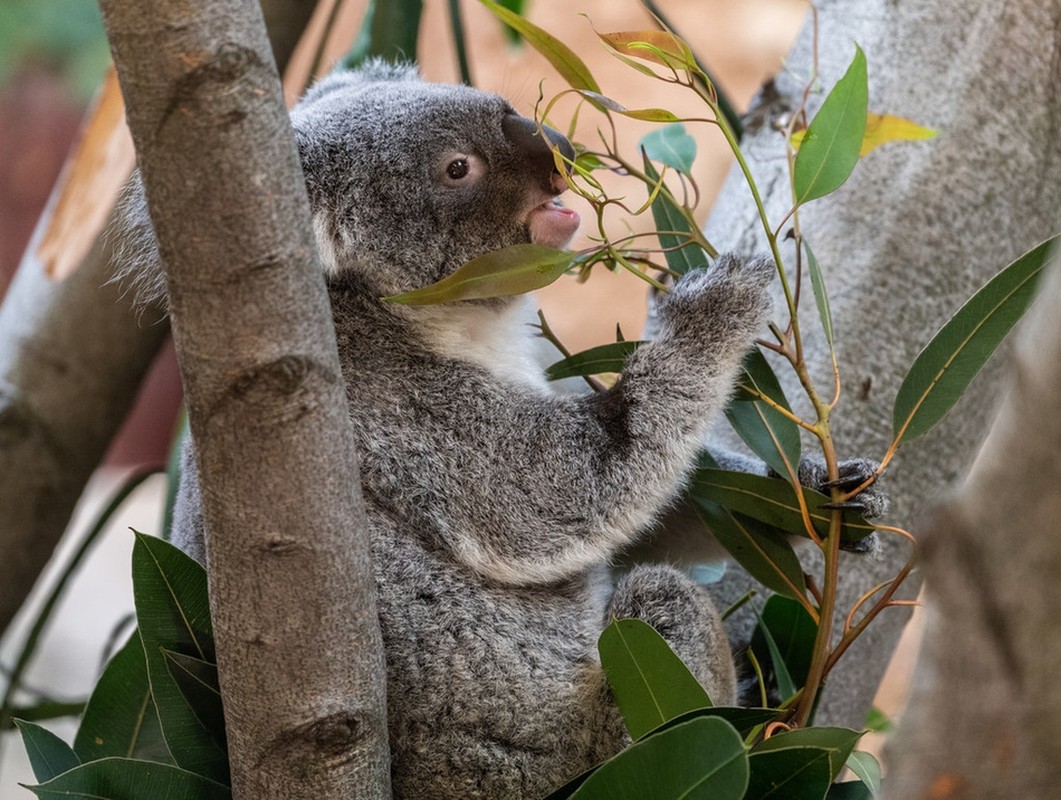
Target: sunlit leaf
(562, 57)
(942, 372)
(867, 768)
(650, 683)
(681, 255)
(773, 501)
(512, 270)
(594, 361)
(833, 139)
(884, 128)
(125, 778)
(48, 754)
(671, 145)
(703, 759)
(659, 47)
(769, 433)
(877, 721)
(647, 114)
(120, 718)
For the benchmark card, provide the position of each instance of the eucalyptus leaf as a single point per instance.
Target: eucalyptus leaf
(821, 296)
(792, 631)
(743, 719)
(831, 145)
(942, 372)
(794, 773)
(786, 686)
(768, 432)
(197, 681)
(594, 361)
(120, 718)
(650, 683)
(773, 501)
(509, 271)
(836, 742)
(849, 790)
(703, 759)
(671, 145)
(169, 590)
(48, 754)
(673, 230)
(658, 46)
(125, 778)
(867, 768)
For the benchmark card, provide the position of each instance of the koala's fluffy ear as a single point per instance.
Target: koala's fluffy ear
(375, 70)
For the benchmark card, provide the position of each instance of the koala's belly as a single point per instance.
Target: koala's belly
(492, 691)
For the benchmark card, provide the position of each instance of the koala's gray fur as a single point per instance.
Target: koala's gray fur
(495, 504)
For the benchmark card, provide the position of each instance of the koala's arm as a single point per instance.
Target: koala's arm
(569, 481)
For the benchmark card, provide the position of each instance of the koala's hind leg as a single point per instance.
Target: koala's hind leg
(684, 614)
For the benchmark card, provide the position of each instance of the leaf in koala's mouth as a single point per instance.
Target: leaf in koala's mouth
(512, 270)
(551, 224)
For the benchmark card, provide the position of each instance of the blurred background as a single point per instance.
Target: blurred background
(53, 55)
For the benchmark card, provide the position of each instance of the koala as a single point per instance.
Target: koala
(495, 504)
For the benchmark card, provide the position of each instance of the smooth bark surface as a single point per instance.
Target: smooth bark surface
(912, 234)
(984, 718)
(299, 651)
(72, 354)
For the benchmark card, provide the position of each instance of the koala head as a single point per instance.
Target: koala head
(409, 180)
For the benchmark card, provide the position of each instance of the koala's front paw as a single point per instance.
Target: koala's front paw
(731, 293)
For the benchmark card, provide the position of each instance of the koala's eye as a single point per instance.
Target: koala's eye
(458, 168)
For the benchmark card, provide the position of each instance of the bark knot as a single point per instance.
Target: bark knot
(228, 64)
(283, 377)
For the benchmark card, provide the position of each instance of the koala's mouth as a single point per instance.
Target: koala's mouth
(551, 224)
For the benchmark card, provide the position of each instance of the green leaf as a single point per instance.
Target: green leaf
(681, 255)
(173, 473)
(849, 790)
(703, 759)
(605, 358)
(763, 552)
(836, 742)
(743, 719)
(794, 773)
(821, 297)
(786, 686)
(944, 369)
(773, 501)
(833, 139)
(197, 681)
(877, 721)
(770, 434)
(48, 754)
(128, 779)
(501, 273)
(792, 630)
(867, 768)
(671, 145)
(562, 57)
(120, 718)
(650, 683)
(169, 589)
(647, 114)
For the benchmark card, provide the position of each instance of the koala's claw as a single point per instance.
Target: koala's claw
(850, 505)
(871, 502)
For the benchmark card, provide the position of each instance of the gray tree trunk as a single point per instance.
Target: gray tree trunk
(917, 228)
(292, 596)
(984, 718)
(72, 354)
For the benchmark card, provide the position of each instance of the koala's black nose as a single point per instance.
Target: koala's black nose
(523, 133)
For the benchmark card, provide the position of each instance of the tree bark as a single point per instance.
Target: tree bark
(984, 718)
(72, 354)
(299, 649)
(911, 235)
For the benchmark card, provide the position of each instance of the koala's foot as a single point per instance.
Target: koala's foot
(683, 614)
(871, 502)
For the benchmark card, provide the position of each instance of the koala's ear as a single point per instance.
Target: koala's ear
(375, 70)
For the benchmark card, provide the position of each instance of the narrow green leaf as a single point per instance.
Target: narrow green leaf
(44, 710)
(671, 145)
(126, 778)
(769, 433)
(647, 114)
(596, 360)
(794, 773)
(792, 631)
(671, 224)
(650, 683)
(563, 58)
(197, 681)
(942, 372)
(773, 501)
(836, 742)
(169, 589)
(867, 768)
(821, 297)
(831, 145)
(120, 718)
(786, 687)
(48, 754)
(512, 270)
(762, 551)
(703, 759)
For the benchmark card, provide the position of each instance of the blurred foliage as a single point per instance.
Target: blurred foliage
(65, 37)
